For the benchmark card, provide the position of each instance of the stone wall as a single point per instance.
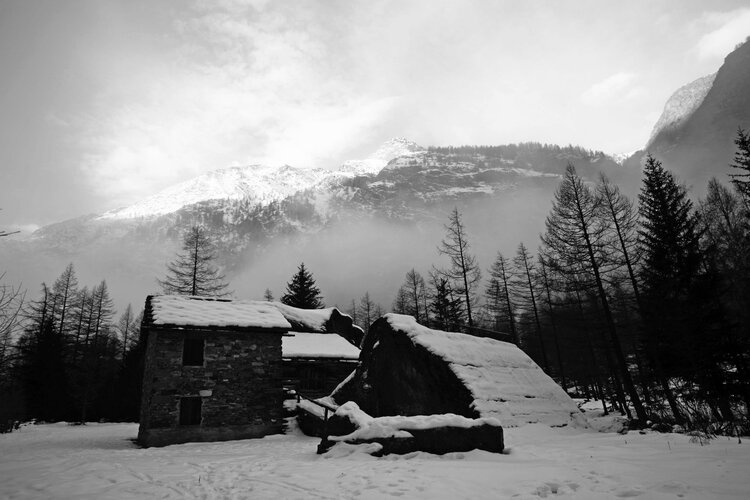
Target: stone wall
(242, 371)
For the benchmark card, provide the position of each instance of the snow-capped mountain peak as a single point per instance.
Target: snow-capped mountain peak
(261, 184)
(389, 150)
(258, 184)
(395, 148)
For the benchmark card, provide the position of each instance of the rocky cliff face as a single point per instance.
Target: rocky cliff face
(681, 106)
(700, 144)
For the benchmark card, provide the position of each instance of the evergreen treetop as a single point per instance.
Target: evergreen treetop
(301, 291)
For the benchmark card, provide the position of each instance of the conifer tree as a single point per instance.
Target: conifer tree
(498, 296)
(301, 291)
(400, 303)
(464, 273)
(446, 308)
(193, 271)
(65, 289)
(411, 296)
(669, 239)
(367, 311)
(126, 327)
(741, 180)
(576, 237)
(524, 278)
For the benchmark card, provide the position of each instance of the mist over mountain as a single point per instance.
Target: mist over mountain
(359, 228)
(695, 135)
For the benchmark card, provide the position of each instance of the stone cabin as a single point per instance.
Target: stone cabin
(213, 370)
(216, 369)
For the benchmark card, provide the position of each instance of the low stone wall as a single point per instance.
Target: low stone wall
(197, 433)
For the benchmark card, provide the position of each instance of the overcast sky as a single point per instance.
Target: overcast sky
(104, 102)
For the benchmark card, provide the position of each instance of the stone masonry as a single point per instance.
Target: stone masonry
(239, 383)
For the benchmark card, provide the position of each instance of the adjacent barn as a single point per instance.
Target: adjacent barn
(315, 363)
(408, 369)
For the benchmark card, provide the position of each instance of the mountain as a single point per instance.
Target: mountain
(680, 106)
(697, 142)
(359, 227)
(259, 185)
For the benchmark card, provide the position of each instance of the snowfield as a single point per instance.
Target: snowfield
(100, 461)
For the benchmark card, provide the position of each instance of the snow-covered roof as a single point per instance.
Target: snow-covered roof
(505, 382)
(182, 310)
(317, 345)
(313, 320)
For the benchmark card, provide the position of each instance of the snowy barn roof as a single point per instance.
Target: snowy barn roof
(317, 345)
(505, 382)
(311, 320)
(181, 310)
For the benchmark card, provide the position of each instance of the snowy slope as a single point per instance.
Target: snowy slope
(100, 461)
(681, 105)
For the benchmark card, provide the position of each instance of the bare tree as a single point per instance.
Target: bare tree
(193, 271)
(367, 311)
(498, 295)
(11, 304)
(464, 272)
(576, 237)
(65, 289)
(126, 327)
(412, 295)
(524, 278)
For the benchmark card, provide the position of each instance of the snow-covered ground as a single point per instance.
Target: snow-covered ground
(99, 461)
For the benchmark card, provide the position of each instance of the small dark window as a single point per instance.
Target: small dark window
(192, 352)
(190, 411)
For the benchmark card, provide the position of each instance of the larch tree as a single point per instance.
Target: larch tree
(414, 296)
(464, 273)
(547, 289)
(619, 211)
(126, 326)
(524, 285)
(366, 311)
(576, 237)
(400, 303)
(193, 271)
(65, 289)
(11, 305)
(301, 291)
(498, 295)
